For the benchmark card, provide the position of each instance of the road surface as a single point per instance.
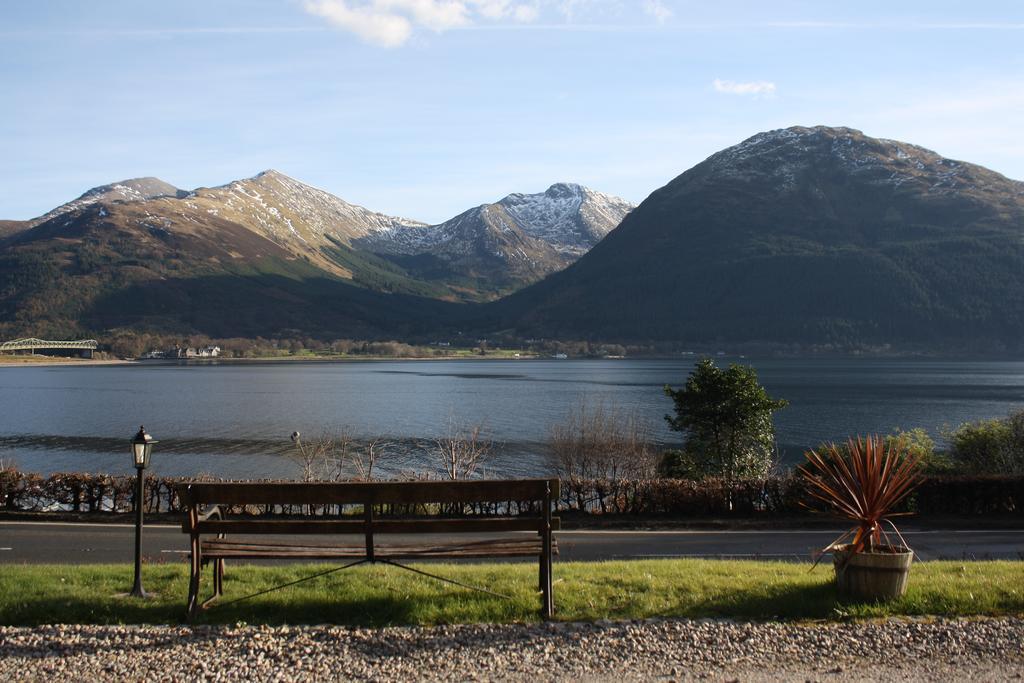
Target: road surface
(77, 543)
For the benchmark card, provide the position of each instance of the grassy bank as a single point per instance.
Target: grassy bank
(12, 359)
(380, 595)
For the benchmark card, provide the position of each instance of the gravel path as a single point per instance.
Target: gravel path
(670, 649)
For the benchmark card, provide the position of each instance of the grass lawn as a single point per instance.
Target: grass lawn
(381, 595)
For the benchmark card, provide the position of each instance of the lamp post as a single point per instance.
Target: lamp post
(142, 447)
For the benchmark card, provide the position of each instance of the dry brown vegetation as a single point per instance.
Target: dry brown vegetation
(601, 443)
(463, 450)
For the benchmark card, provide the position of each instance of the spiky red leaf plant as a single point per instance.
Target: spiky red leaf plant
(863, 482)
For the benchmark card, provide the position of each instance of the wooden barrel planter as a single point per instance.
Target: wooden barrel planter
(878, 575)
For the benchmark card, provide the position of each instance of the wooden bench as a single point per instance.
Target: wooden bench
(206, 505)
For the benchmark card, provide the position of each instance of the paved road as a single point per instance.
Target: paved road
(44, 542)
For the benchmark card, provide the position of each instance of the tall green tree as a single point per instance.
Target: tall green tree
(726, 416)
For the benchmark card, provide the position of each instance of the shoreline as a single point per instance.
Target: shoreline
(285, 360)
(42, 361)
(47, 361)
(39, 362)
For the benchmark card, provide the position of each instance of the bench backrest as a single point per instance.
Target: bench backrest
(195, 495)
(367, 493)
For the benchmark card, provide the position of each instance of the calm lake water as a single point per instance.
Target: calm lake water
(235, 419)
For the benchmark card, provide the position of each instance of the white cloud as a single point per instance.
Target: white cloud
(567, 8)
(436, 15)
(756, 88)
(658, 10)
(502, 9)
(380, 28)
(525, 13)
(491, 9)
(390, 23)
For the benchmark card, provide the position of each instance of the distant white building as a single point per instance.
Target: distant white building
(184, 352)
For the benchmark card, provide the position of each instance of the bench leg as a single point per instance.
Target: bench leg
(193, 581)
(546, 588)
(218, 583)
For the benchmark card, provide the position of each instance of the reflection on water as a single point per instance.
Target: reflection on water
(234, 419)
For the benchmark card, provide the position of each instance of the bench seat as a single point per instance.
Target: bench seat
(233, 549)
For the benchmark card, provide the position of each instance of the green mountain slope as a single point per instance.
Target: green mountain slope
(108, 266)
(806, 235)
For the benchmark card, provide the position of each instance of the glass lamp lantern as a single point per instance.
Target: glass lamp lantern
(142, 447)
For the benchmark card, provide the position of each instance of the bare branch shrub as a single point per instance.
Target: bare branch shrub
(463, 449)
(364, 459)
(603, 442)
(313, 456)
(599, 446)
(338, 457)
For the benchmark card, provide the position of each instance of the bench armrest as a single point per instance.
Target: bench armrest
(214, 511)
(211, 513)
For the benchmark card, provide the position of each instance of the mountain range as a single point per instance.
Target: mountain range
(801, 236)
(269, 253)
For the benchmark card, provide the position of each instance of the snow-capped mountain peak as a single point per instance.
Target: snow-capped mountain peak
(284, 209)
(518, 239)
(131, 190)
(796, 157)
(567, 217)
(570, 217)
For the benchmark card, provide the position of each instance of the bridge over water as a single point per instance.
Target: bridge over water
(84, 346)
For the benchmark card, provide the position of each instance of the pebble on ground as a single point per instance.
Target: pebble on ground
(658, 649)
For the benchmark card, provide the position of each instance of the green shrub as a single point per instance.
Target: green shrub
(679, 464)
(990, 446)
(918, 443)
(726, 416)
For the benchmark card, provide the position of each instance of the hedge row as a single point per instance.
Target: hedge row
(945, 495)
(990, 495)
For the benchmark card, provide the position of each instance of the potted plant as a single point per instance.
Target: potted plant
(864, 482)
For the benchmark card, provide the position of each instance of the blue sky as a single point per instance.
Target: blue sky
(424, 108)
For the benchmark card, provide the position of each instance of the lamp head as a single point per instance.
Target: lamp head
(142, 447)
